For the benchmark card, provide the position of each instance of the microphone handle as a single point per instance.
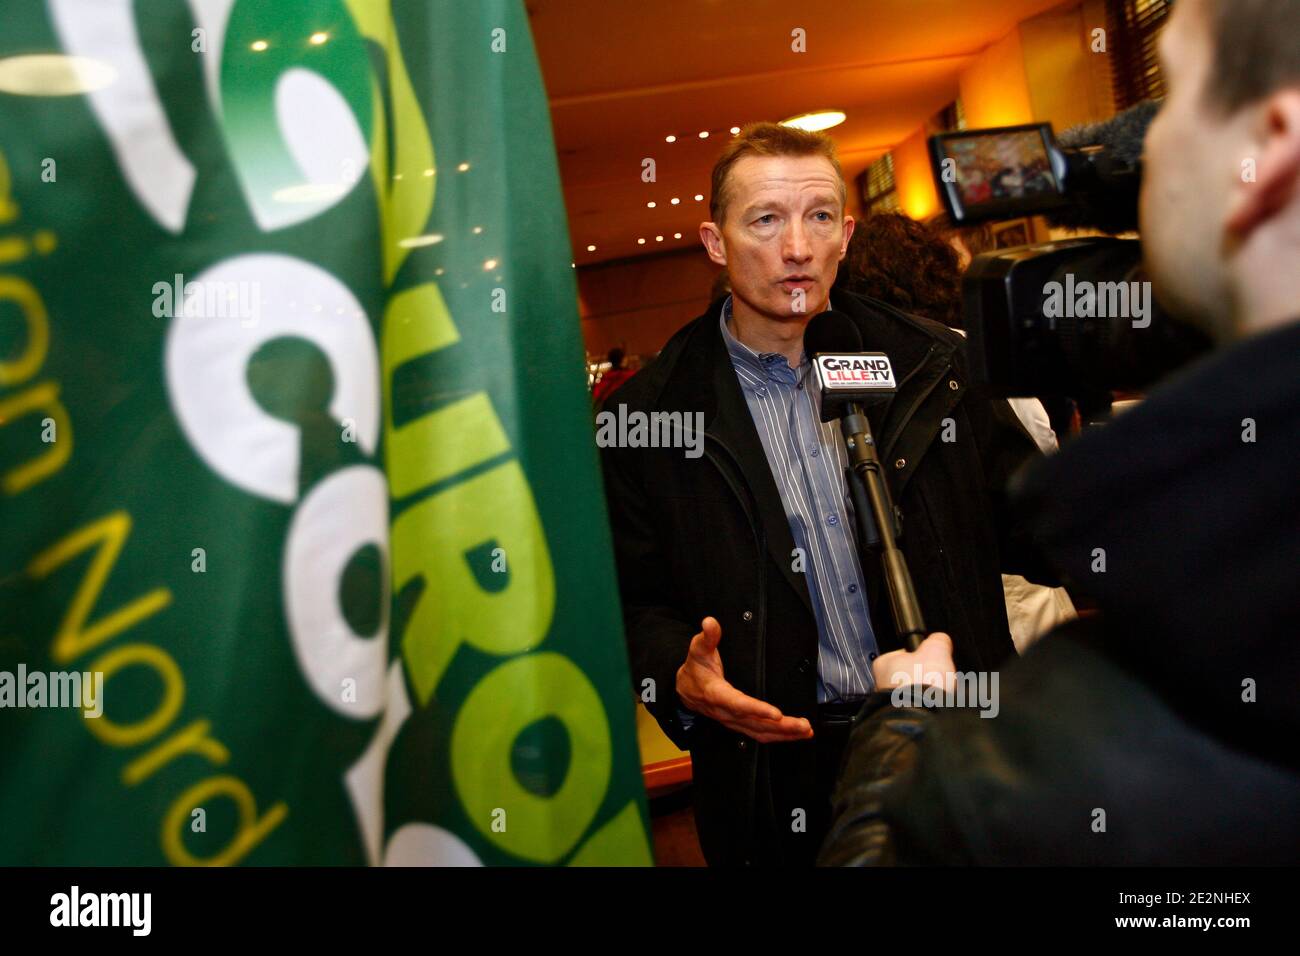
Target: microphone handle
(865, 467)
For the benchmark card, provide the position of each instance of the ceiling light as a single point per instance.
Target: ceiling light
(704, 134)
(640, 242)
(650, 205)
(699, 197)
(677, 235)
(670, 139)
(659, 238)
(675, 200)
(816, 120)
(735, 131)
(591, 248)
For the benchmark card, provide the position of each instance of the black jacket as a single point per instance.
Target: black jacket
(1175, 712)
(709, 536)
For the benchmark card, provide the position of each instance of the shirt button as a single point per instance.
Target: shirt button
(952, 384)
(853, 589)
(761, 392)
(901, 463)
(815, 452)
(800, 386)
(748, 615)
(832, 519)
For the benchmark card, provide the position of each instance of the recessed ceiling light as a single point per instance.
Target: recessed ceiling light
(677, 235)
(659, 238)
(675, 200)
(735, 131)
(704, 134)
(699, 197)
(816, 120)
(650, 205)
(640, 242)
(54, 74)
(591, 248)
(670, 139)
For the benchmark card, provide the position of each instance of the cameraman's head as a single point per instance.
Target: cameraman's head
(1221, 188)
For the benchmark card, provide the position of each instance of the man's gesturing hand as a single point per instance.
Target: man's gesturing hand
(703, 690)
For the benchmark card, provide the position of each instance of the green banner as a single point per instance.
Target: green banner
(296, 463)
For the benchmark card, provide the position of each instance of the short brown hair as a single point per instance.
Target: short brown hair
(769, 139)
(1256, 50)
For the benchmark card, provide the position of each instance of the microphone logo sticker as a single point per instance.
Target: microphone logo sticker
(855, 372)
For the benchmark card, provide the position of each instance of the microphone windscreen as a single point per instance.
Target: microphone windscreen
(831, 331)
(1122, 135)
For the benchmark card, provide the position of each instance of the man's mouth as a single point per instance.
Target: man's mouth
(799, 281)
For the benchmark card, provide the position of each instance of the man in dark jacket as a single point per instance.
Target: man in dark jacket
(1162, 731)
(750, 622)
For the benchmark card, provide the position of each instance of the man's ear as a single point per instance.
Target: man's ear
(1277, 167)
(848, 234)
(711, 236)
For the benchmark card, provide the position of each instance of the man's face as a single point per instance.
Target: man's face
(783, 235)
(1192, 161)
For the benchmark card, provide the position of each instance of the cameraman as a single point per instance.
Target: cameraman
(1163, 731)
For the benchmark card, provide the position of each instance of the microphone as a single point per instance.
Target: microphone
(848, 376)
(1104, 171)
(845, 373)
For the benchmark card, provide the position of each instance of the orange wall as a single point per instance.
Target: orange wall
(913, 177)
(995, 88)
(640, 303)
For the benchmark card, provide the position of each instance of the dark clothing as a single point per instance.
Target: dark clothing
(709, 536)
(609, 383)
(1175, 711)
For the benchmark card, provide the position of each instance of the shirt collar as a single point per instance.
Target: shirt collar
(760, 365)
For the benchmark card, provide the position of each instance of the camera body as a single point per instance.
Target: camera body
(1075, 317)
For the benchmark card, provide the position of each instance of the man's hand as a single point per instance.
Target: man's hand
(703, 690)
(931, 663)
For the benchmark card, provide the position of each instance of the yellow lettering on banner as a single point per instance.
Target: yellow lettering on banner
(192, 739)
(430, 540)
(516, 694)
(128, 735)
(455, 437)
(251, 832)
(74, 638)
(23, 294)
(43, 397)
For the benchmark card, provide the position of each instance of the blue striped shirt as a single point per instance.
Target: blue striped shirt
(807, 458)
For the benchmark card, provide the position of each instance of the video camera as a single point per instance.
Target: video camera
(1073, 317)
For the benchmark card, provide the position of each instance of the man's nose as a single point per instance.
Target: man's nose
(796, 247)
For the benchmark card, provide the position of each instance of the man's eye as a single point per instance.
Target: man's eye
(765, 219)
(823, 216)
